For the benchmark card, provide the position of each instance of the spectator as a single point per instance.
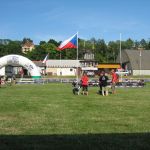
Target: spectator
(84, 83)
(100, 85)
(103, 82)
(114, 80)
(0, 81)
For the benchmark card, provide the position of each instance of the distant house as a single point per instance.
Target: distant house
(28, 46)
(135, 61)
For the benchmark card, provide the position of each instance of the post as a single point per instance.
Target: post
(140, 61)
(120, 57)
(60, 69)
(120, 51)
(77, 57)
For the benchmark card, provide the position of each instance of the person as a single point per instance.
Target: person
(0, 81)
(13, 79)
(100, 85)
(21, 73)
(113, 81)
(84, 83)
(103, 82)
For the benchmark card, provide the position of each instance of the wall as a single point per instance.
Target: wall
(66, 71)
(61, 71)
(142, 72)
(2, 71)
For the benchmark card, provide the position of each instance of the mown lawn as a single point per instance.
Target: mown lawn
(50, 117)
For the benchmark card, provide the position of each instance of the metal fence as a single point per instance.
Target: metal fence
(93, 82)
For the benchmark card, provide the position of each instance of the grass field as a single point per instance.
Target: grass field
(50, 117)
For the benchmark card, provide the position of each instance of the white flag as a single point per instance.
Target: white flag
(45, 59)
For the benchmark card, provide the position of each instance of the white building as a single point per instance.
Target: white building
(62, 67)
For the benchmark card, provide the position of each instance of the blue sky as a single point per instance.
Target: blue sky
(60, 19)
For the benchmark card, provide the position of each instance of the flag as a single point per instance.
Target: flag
(45, 59)
(69, 43)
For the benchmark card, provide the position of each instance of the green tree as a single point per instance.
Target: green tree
(13, 47)
(25, 40)
(143, 44)
(129, 44)
(113, 48)
(101, 51)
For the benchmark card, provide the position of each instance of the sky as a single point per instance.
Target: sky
(42, 20)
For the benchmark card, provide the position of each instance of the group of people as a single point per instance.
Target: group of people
(103, 83)
(5, 80)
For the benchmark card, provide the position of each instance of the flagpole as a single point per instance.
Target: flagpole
(120, 57)
(60, 68)
(77, 57)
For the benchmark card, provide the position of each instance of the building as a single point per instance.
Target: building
(62, 67)
(41, 66)
(135, 61)
(89, 64)
(27, 46)
(107, 66)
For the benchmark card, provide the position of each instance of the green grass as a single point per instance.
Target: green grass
(50, 117)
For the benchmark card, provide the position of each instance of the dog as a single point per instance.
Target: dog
(76, 88)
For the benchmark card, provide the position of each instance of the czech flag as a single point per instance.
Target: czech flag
(69, 43)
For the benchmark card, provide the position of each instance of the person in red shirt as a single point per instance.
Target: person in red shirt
(84, 83)
(113, 81)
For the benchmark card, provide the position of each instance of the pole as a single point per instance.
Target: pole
(77, 57)
(120, 52)
(60, 69)
(140, 61)
(120, 57)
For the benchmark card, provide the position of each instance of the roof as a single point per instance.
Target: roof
(113, 65)
(28, 44)
(133, 56)
(62, 63)
(39, 63)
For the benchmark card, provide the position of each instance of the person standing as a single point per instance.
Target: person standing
(0, 81)
(100, 85)
(113, 81)
(84, 83)
(103, 81)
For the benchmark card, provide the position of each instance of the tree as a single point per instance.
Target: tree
(113, 48)
(25, 40)
(52, 41)
(129, 44)
(101, 50)
(143, 44)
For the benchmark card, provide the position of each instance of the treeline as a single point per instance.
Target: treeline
(103, 51)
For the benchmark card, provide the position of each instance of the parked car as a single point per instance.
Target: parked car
(93, 82)
(124, 73)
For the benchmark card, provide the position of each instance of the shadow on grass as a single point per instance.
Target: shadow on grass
(122, 141)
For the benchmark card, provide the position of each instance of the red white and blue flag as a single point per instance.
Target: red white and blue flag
(69, 43)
